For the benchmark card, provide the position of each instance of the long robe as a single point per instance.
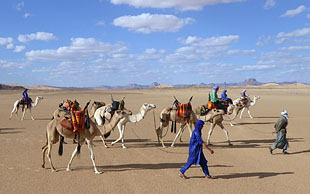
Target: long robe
(280, 127)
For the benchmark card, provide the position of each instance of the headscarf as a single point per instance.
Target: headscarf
(244, 90)
(199, 125)
(216, 87)
(285, 114)
(224, 91)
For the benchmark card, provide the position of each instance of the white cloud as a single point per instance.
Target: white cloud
(20, 5)
(294, 12)
(147, 23)
(269, 4)
(183, 5)
(295, 33)
(7, 42)
(255, 67)
(263, 40)
(100, 23)
(241, 52)
(19, 48)
(26, 15)
(308, 15)
(36, 36)
(80, 49)
(295, 48)
(212, 41)
(11, 65)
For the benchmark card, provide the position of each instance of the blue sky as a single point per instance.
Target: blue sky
(86, 43)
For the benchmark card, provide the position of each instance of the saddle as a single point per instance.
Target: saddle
(184, 110)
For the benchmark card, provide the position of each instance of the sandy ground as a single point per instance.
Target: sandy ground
(145, 167)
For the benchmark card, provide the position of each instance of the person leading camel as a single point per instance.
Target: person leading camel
(280, 128)
(195, 154)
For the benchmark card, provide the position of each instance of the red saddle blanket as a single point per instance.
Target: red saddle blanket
(78, 121)
(184, 110)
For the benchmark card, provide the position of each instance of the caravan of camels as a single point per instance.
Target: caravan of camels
(71, 121)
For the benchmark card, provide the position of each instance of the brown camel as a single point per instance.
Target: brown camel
(55, 130)
(169, 114)
(217, 118)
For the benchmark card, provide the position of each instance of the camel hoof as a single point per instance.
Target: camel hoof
(43, 165)
(98, 172)
(230, 144)
(54, 170)
(209, 144)
(172, 145)
(124, 147)
(68, 169)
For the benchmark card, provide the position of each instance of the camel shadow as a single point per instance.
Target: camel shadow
(10, 130)
(131, 167)
(266, 117)
(256, 123)
(43, 119)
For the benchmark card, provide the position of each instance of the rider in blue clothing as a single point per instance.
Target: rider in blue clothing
(26, 97)
(224, 97)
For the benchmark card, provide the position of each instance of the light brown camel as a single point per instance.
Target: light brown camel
(217, 119)
(169, 114)
(55, 130)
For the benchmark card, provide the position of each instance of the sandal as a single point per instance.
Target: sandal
(183, 176)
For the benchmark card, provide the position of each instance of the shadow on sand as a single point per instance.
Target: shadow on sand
(256, 143)
(10, 130)
(256, 123)
(247, 175)
(129, 167)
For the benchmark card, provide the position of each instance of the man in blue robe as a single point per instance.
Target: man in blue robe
(225, 98)
(196, 155)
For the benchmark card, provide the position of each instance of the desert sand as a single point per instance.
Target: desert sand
(146, 167)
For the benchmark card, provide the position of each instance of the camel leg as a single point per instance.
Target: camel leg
(102, 139)
(249, 113)
(31, 114)
(178, 134)
(120, 129)
(159, 132)
(13, 111)
(231, 124)
(210, 133)
(24, 111)
(43, 155)
(74, 153)
(92, 155)
(242, 112)
(226, 133)
(189, 130)
(123, 131)
(49, 154)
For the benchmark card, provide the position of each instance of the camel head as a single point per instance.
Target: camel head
(147, 106)
(39, 97)
(256, 97)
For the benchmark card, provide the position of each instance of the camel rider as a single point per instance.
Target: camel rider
(243, 93)
(26, 97)
(224, 97)
(214, 99)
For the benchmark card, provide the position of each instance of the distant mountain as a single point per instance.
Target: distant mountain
(250, 81)
(11, 87)
(247, 82)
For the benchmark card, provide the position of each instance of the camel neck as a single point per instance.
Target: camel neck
(138, 117)
(109, 126)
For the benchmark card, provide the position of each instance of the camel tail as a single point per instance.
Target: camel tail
(107, 135)
(60, 150)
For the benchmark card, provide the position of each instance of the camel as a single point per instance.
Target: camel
(169, 114)
(216, 117)
(247, 105)
(25, 107)
(54, 130)
(122, 123)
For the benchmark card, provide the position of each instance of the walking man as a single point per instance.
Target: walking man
(196, 155)
(280, 128)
